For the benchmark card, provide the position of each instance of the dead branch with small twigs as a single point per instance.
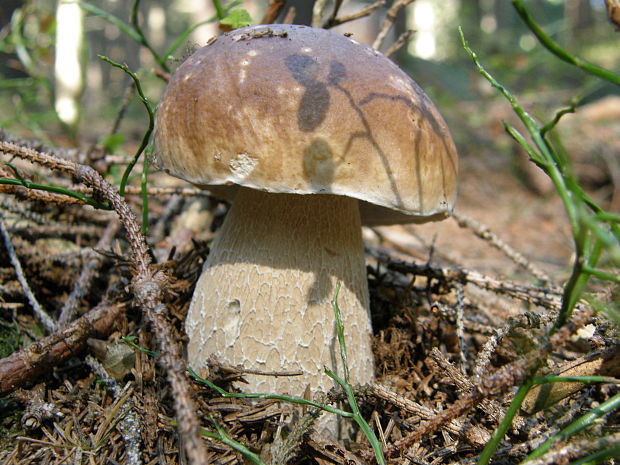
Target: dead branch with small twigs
(399, 43)
(362, 13)
(147, 287)
(390, 18)
(83, 283)
(27, 365)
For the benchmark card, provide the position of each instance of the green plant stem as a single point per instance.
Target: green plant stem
(357, 416)
(556, 119)
(600, 456)
(600, 274)
(223, 437)
(55, 190)
(144, 184)
(340, 333)
(161, 61)
(147, 134)
(129, 340)
(575, 379)
(219, 9)
(124, 27)
(348, 389)
(133, 31)
(605, 216)
(292, 400)
(544, 158)
(586, 256)
(573, 198)
(560, 52)
(588, 241)
(498, 434)
(570, 296)
(577, 425)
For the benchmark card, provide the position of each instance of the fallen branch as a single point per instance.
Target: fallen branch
(548, 297)
(26, 366)
(413, 408)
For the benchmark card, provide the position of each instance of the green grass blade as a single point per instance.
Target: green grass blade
(110, 18)
(223, 437)
(348, 389)
(151, 126)
(54, 190)
(582, 422)
(255, 395)
(498, 434)
(600, 456)
(560, 52)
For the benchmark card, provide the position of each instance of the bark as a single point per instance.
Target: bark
(29, 364)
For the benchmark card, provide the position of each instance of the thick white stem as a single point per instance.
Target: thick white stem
(264, 298)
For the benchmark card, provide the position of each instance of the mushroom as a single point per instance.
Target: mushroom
(310, 134)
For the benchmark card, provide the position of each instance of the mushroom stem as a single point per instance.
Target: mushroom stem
(263, 300)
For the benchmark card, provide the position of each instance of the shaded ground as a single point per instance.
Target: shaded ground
(441, 331)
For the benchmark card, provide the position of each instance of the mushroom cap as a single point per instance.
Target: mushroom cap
(295, 109)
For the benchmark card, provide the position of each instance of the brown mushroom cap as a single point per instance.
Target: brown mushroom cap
(294, 109)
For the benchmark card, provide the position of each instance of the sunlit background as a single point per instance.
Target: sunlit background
(51, 78)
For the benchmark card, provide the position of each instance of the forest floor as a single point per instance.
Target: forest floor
(460, 309)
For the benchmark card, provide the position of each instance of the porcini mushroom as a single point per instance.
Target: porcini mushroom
(310, 134)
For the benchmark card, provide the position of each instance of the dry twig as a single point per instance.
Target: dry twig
(147, 290)
(289, 17)
(272, 11)
(329, 21)
(413, 408)
(483, 232)
(399, 43)
(366, 11)
(38, 309)
(548, 297)
(318, 11)
(462, 382)
(89, 271)
(390, 18)
(483, 359)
